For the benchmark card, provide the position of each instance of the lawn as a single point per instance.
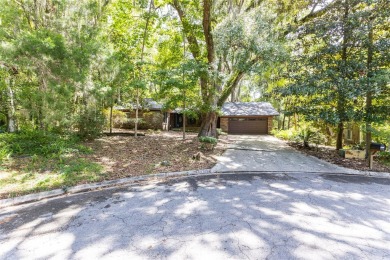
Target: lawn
(34, 161)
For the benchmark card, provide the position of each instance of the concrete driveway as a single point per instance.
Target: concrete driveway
(268, 153)
(231, 216)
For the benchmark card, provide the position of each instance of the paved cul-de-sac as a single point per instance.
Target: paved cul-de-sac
(264, 215)
(239, 216)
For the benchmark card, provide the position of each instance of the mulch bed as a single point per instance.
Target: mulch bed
(331, 155)
(123, 155)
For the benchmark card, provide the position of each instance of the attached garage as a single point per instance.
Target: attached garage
(248, 125)
(249, 118)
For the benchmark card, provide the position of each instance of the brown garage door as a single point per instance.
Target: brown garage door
(249, 126)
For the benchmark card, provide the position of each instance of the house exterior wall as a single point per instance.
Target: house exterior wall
(224, 123)
(352, 134)
(148, 120)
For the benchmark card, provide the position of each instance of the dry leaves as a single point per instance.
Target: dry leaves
(124, 156)
(331, 155)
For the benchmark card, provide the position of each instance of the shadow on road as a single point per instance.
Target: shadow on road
(280, 216)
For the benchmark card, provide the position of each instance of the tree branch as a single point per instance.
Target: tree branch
(187, 28)
(207, 5)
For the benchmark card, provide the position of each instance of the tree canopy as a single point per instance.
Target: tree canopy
(63, 62)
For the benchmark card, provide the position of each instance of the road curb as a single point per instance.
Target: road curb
(158, 176)
(384, 175)
(95, 186)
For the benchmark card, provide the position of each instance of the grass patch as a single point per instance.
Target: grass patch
(37, 161)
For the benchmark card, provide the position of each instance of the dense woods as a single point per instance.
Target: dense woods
(324, 64)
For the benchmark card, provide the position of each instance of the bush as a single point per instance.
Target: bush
(40, 143)
(289, 134)
(306, 134)
(309, 134)
(5, 152)
(90, 124)
(220, 132)
(208, 142)
(118, 118)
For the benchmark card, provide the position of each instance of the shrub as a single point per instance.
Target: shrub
(306, 134)
(5, 152)
(118, 118)
(90, 124)
(40, 143)
(220, 132)
(208, 142)
(309, 134)
(153, 120)
(289, 134)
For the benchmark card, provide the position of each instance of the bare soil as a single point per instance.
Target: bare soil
(331, 155)
(125, 156)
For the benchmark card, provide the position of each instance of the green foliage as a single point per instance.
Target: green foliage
(47, 161)
(5, 151)
(118, 118)
(288, 135)
(208, 139)
(207, 142)
(381, 134)
(338, 63)
(90, 124)
(308, 134)
(39, 143)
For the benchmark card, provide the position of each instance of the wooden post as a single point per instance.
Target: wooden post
(371, 158)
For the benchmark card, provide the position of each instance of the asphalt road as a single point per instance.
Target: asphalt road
(238, 216)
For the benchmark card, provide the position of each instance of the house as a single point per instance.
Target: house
(247, 117)
(352, 134)
(236, 118)
(150, 115)
(175, 120)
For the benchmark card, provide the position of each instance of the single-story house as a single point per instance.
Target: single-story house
(353, 134)
(236, 118)
(247, 117)
(152, 115)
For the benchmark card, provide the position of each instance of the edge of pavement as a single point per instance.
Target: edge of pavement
(95, 186)
(158, 177)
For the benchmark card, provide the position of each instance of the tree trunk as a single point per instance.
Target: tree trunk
(341, 95)
(369, 94)
(11, 124)
(295, 121)
(340, 131)
(289, 122)
(142, 60)
(184, 116)
(111, 118)
(136, 114)
(209, 124)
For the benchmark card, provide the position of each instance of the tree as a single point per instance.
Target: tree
(132, 24)
(325, 75)
(226, 48)
(53, 46)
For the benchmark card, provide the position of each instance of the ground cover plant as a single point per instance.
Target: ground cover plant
(34, 161)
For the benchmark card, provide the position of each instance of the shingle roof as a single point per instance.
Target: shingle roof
(148, 103)
(152, 105)
(248, 109)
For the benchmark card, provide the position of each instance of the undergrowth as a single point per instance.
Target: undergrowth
(37, 161)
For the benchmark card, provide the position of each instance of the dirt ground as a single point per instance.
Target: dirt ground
(330, 154)
(124, 156)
